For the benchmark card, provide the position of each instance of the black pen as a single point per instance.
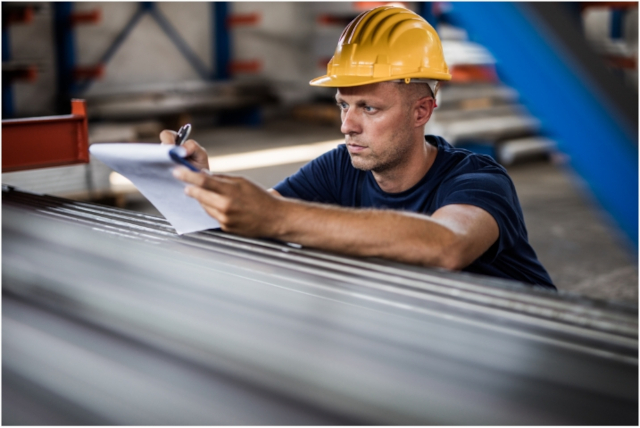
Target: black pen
(183, 134)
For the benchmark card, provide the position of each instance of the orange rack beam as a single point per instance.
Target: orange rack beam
(48, 141)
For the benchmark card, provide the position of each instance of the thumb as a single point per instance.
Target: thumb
(168, 137)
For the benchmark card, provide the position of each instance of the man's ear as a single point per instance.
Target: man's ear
(422, 110)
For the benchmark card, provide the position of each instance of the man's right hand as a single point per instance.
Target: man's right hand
(196, 154)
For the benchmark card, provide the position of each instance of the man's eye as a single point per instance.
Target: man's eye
(369, 109)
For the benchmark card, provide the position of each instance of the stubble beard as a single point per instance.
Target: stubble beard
(393, 158)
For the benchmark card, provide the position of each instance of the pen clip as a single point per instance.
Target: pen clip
(183, 134)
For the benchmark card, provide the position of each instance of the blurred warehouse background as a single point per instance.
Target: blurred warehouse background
(550, 90)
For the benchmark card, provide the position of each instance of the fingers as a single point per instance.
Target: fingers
(207, 190)
(214, 204)
(192, 147)
(168, 136)
(218, 184)
(197, 154)
(238, 204)
(195, 150)
(209, 199)
(218, 206)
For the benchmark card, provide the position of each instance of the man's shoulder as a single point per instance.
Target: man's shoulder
(456, 160)
(460, 168)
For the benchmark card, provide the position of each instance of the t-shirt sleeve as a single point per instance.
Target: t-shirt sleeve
(317, 181)
(493, 191)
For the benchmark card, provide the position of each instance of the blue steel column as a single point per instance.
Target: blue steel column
(426, 11)
(617, 19)
(174, 36)
(221, 42)
(117, 42)
(7, 87)
(65, 53)
(169, 30)
(591, 128)
(615, 32)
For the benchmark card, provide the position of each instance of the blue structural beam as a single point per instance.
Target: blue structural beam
(617, 20)
(174, 36)
(117, 42)
(7, 87)
(151, 9)
(65, 53)
(426, 11)
(597, 130)
(221, 40)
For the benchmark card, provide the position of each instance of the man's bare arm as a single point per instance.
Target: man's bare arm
(453, 237)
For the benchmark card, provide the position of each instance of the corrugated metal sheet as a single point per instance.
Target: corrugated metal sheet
(109, 317)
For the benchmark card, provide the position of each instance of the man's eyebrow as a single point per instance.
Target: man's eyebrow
(358, 103)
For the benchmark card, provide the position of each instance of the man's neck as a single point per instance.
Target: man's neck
(410, 172)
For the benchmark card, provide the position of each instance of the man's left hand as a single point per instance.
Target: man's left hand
(239, 205)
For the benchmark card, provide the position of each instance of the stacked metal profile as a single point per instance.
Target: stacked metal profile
(109, 317)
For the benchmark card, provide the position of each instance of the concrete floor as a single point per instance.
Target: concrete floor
(574, 240)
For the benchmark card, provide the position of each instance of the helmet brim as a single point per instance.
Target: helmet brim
(330, 81)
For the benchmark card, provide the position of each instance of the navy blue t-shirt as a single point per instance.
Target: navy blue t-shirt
(456, 177)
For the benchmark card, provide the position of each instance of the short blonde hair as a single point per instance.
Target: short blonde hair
(413, 91)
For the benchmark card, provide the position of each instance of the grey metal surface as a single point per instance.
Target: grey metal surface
(63, 181)
(155, 100)
(109, 317)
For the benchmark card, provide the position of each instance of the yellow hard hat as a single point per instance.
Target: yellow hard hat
(385, 43)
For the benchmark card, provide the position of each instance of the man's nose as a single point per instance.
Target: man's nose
(350, 122)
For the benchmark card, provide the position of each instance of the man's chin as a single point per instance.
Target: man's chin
(359, 163)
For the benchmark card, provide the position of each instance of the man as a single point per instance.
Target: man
(389, 191)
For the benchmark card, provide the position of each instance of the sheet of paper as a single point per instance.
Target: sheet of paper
(149, 167)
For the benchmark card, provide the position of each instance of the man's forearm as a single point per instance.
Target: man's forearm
(399, 236)
(453, 237)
